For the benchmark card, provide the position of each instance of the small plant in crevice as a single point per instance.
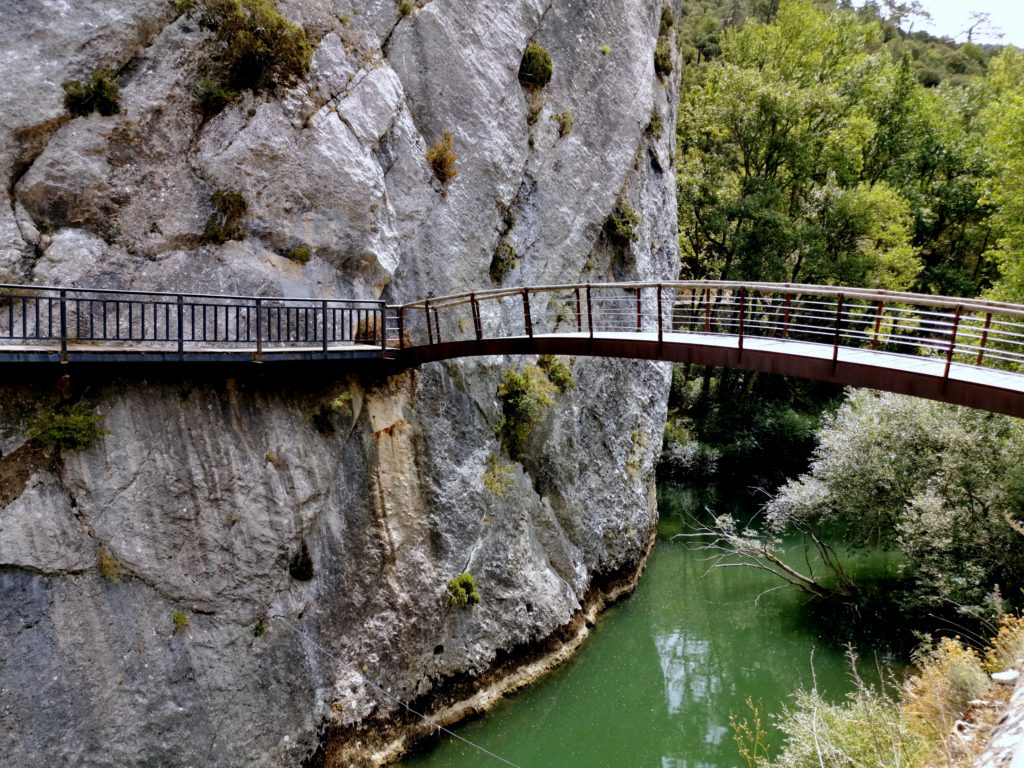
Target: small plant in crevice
(70, 430)
(442, 158)
(405, 7)
(564, 122)
(301, 565)
(100, 93)
(558, 373)
(109, 566)
(523, 395)
(663, 57)
(535, 69)
(300, 255)
(180, 620)
(606, 50)
(325, 415)
(655, 126)
(225, 223)
(536, 106)
(462, 591)
(211, 98)
(621, 226)
(497, 476)
(259, 629)
(504, 261)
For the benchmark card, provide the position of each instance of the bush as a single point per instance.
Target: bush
(405, 7)
(558, 373)
(523, 395)
(535, 69)
(260, 48)
(462, 591)
(442, 159)
(668, 20)
(655, 126)
(1007, 648)
(950, 676)
(100, 93)
(565, 125)
(225, 223)
(621, 226)
(211, 98)
(663, 57)
(503, 262)
(70, 431)
(497, 476)
(300, 254)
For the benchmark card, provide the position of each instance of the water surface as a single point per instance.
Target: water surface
(659, 678)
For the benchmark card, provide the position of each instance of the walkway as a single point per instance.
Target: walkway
(955, 350)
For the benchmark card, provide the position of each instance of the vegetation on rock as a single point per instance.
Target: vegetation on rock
(504, 261)
(71, 430)
(523, 395)
(462, 591)
(100, 93)
(535, 69)
(558, 373)
(225, 223)
(621, 226)
(442, 159)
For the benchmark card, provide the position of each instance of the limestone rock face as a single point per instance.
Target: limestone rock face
(231, 570)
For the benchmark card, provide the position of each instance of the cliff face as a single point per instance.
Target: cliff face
(157, 602)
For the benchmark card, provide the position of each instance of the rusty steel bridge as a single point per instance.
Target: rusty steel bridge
(963, 351)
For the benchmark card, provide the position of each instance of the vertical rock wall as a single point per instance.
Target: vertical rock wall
(219, 579)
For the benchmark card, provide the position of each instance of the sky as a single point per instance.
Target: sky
(951, 18)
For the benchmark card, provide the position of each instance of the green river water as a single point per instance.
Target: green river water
(657, 681)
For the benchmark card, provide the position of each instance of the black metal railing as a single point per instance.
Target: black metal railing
(76, 319)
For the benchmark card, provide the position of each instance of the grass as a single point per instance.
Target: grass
(109, 566)
(225, 223)
(442, 158)
(180, 621)
(497, 476)
(100, 93)
(565, 123)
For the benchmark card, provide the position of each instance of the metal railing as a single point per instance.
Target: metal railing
(968, 331)
(46, 317)
(956, 331)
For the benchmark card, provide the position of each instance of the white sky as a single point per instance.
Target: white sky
(952, 17)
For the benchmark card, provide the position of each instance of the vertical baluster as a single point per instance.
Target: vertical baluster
(879, 310)
(835, 341)
(527, 320)
(63, 326)
(430, 332)
(984, 337)
(181, 327)
(259, 330)
(639, 310)
(952, 345)
(660, 321)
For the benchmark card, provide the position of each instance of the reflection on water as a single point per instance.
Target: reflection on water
(656, 683)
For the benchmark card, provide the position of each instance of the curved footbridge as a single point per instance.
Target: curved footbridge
(960, 351)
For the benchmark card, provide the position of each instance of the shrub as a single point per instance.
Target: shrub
(523, 395)
(260, 48)
(225, 223)
(300, 254)
(655, 126)
(70, 431)
(211, 98)
(558, 373)
(100, 93)
(180, 619)
(405, 7)
(323, 417)
(535, 69)
(503, 262)
(462, 591)
(109, 566)
(565, 125)
(1007, 647)
(497, 476)
(606, 50)
(668, 20)
(663, 57)
(442, 159)
(621, 226)
(950, 676)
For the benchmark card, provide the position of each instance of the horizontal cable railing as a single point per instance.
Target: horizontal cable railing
(78, 319)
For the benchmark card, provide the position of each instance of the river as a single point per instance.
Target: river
(656, 683)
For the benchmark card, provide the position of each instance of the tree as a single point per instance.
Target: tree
(942, 484)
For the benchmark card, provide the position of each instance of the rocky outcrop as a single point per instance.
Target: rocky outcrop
(220, 579)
